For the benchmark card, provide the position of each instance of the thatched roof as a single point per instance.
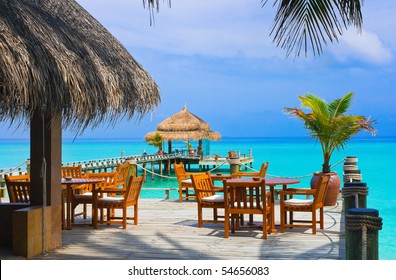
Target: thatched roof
(184, 125)
(54, 56)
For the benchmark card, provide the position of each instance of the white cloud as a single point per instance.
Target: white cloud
(216, 28)
(367, 47)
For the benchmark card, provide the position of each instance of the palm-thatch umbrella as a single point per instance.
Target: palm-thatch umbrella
(184, 125)
(59, 65)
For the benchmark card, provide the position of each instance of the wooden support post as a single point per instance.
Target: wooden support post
(144, 170)
(160, 167)
(234, 165)
(361, 234)
(349, 193)
(152, 170)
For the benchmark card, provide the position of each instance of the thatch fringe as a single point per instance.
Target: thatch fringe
(55, 57)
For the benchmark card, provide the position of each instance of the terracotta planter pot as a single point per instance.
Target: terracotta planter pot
(333, 189)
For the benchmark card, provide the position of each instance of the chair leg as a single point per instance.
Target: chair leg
(233, 217)
(199, 216)
(85, 211)
(215, 216)
(124, 217)
(321, 218)
(264, 226)
(180, 194)
(73, 214)
(313, 221)
(282, 220)
(108, 215)
(251, 222)
(270, 225)
(226, 224)
(135, 217)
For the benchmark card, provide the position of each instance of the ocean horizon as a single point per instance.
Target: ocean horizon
(288, 157)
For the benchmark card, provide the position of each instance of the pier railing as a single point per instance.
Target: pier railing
(163, 162)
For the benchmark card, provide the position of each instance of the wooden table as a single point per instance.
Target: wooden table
(271, 183)
(71, 184)
(220, 177)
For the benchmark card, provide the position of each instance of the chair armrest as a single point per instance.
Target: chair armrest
(189, 173)
(218, 189)
(242, 173)
(298, 191)
(110, 190)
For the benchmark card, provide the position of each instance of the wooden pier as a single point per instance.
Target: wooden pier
(157, 164)
(168, 230)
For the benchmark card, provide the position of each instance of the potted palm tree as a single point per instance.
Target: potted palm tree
(330, 124)
(157, 142)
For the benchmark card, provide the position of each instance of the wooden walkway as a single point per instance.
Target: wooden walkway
(168, 230)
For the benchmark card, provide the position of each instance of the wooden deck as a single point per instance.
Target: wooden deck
(168, 230)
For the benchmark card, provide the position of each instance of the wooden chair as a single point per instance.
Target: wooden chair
(121, 174)
(124, 199)
(111, 180)
(18, 188)
(108, 181)
(72, 171)
(184, 181)
(206, 197)
(261, 173)
(246, 197)
(82, 195)
(292, 205)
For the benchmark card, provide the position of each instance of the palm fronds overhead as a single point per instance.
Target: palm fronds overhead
(310, 24)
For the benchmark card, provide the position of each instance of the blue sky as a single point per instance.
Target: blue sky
(217, 58)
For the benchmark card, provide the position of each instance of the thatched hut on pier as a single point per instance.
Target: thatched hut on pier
(184, 125)
(59, 66)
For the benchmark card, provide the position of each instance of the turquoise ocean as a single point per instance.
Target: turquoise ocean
(288, 157)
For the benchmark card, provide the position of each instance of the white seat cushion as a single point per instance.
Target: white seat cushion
(213, 198)
(111, 199)
(296, 201)
(187, 181)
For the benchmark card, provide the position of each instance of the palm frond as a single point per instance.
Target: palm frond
(340, 105)
(316, 104)
(304, 24)
(153, 5)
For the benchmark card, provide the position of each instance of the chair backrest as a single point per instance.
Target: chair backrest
(263, 170)
(245, 196)
(261, 173)
(203, 185)
(18, 191)
(121, 176)
(134, 187)
(107, 177)
(21, 178)
(72, 171)
(321, 189)
(180, 172)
